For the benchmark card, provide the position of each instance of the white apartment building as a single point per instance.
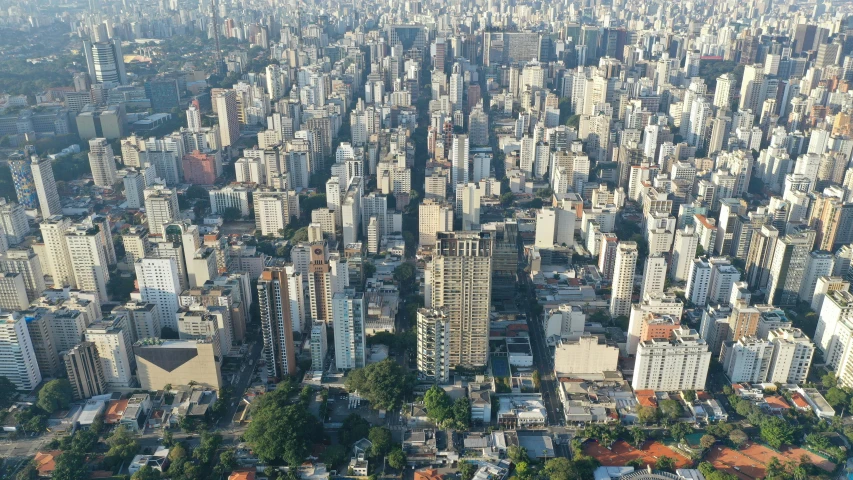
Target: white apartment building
(112, 338)
(229, 196)
(45, 182)
(748, 360)
(792, 356)
(623, 279)
(161, 207)
(672, 365)
(159, 284)
(88, 259)
(348, 313)
(654, 276)
(27, 263)
(103, 162)
(585, 357)
(17, 356)
(433, 216)
(57, 260)
(683, 253)
(657, 304)
(14, 222)
(13, 292)
(433, 357)
(699, 281)
(319, 347)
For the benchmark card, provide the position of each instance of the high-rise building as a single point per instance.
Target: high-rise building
(13, 292)
(161, 207)
(433, 217)
(14, 222)
(319, 347)
(159, 284)
(102, 162)
(45, 183)
(683, 253)
(623, 279)
(349, 312)
(699, 281)
(459, 280)
(58, 261)
(143, 318)
(19, 364)
(824, 286)
(459, 160)
(22, 178)
(433, 345)
(105, 61)
(85, 371)
(834, 334)
(818, 264)
(792, 356)
(88, 256)
(654, 276)
(607, 255)
(27, 263)
(43, 337)
(276, 322)
(225, 102)
(748, 360)
(672, 365)
(112, 337)
(788, 267)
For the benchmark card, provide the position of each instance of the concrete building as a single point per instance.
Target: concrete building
(623, 279)
(433, 217)
(19, 365)
(319, 347)
(178, 362)
(57, 260)
(788, 268)
(112, 337)
(102, 162)
(276, 322)
(349, 312)
(654, 276)
(13, 292)
(586, 357)
(14, 221)
(459, 279)
(161, 207)
(158, 284)
(698, 282)
(433, 346)
(672, 365)
(748, 360)
(85, 371)
(45, 183)
(792, 356)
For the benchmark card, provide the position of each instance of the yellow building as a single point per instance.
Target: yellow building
(178, 362)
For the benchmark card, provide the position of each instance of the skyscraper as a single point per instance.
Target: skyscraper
(226, 111)
(45, 183)
(349, 312)
(159, 284)
(58, 261)
(84, 370)
(103, 163)
(459, 159)
(433, 345)
(459, 280)
(790, 259)
(276, 322)
(19, 363)
(161, 208)
(22, 178)
(623, 279)
(105, 61)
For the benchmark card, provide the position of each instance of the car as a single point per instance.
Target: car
(160, 439)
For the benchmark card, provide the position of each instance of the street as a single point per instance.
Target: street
(543, 360)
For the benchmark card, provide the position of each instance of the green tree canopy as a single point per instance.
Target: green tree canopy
(281, 430)
(437, 403)
(777, 432)
(8, 393)
(380, 437)
(55, 395)
(123, 446)
(671, 409)
(353, 429)
(397, 458)
(70, 466)
(146, 473)
(230, 214)
(383, 384)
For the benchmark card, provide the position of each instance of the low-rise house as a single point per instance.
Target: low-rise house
(138, 408)
(358, 465)
(521, 411)
(45, 462)
(159, 461)
(481, 402)
(821, 407)
(420, 446)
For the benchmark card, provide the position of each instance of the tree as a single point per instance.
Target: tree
(405, 272)
(146, 473)
(522, 471)
(8, 393)
(462, 413)
(777, 432)
(230, 214)
(70, 466)
(680, 430)
(707, 441)
(281, 430)
(507, 198)
(55, 395)
(738, 437)
(689, 396)
(198, 192)
(334, 456)
(123, 446)
(353, 429)
(829, 380)
(559, 468)
(667, 464)
(383, 384)
(437, 403)
(647, 414)
(397, 459)
(517, 454)
(638, 436)
(467, 470)
(380, 437)
(836, 397)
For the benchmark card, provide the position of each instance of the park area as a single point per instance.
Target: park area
(749, 462)
(621, 453)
